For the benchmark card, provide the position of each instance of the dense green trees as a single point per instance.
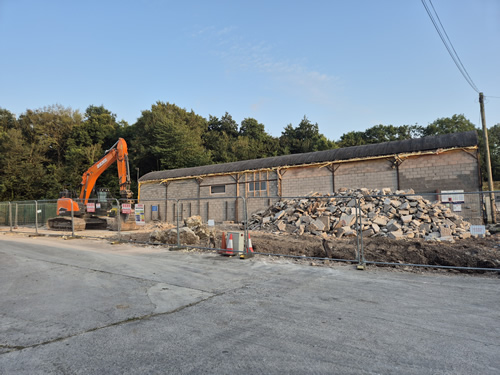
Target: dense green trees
(88, 140)
(380, 133)
(32, 152)
(304, 138)
(48, 149)
(453, 124)
(494, 143)
(220, 137)
(168, 137)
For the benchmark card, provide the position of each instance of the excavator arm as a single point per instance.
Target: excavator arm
(119, 153)
(80, 219)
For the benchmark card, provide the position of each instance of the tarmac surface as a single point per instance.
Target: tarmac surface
(90, 307)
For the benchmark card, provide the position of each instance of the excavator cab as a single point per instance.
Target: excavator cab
(104, 201)
(66, 194)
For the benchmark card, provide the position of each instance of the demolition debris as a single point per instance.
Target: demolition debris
(381, 213)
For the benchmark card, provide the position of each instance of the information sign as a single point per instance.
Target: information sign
(139, 214)
(126, 208)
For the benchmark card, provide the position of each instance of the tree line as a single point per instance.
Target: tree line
(43, 151)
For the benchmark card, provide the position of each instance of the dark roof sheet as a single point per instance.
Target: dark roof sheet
(446, 141)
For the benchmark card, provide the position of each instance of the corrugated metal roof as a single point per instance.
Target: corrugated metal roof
(446, 141)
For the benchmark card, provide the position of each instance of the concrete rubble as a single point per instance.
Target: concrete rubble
(192, 232)
(381, 214)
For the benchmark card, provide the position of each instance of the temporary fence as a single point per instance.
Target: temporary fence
(331, 216)
(32, 217)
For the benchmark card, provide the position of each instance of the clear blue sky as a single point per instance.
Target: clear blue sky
(346, 65)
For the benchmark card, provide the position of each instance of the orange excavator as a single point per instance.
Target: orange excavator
(69, 209)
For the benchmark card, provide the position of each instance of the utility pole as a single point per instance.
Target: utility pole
(488, 160)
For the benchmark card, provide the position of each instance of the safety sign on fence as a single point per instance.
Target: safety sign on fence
(126, 208)
(90, 207)
(139, 214)
(478, 230)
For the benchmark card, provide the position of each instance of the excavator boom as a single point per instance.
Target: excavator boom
(66, 205)
(119, 153)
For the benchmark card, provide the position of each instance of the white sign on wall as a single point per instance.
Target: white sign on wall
(452, 196)
(139, 214)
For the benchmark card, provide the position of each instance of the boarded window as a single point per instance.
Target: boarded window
(217, 189)
(257, 186)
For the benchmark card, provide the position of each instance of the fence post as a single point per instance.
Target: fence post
(10, 215)
(359, 237)
(358, 258)
(36, 217)
(361, 232)
(119, 218)
(178, 234)
(245, 227)
(483, 208)
(72, 219)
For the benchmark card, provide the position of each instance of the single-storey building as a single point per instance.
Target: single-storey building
(426, 165)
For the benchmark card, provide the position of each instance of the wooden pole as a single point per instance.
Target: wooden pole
(488, 160)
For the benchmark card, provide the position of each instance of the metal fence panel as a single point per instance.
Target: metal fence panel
(4, 214)
(330, 221)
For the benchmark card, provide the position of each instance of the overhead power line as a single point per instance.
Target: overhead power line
(447, 43)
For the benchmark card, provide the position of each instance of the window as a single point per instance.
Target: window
(257, 186)
(217, 189)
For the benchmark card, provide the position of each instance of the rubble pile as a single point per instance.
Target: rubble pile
(381, 214)
(193, 232)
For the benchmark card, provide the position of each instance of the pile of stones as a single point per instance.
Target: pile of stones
(193, 232)
(379, 213)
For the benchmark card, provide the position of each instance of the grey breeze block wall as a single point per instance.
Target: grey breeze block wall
(450, 170)
(370, 174)
(153, 194)
(222, 206)
(453, 170)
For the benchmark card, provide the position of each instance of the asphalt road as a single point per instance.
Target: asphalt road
(90, 307)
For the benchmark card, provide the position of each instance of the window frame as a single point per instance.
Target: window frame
(261, 184)
(217, 186)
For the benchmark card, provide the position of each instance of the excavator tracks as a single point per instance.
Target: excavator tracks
(64, 223)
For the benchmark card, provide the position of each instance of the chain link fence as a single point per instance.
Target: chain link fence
(351, 226)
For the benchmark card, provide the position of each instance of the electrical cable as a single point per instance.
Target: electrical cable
(451, 50)
(451, 44)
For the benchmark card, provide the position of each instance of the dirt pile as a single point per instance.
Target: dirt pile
(380, 213)
(470, 252)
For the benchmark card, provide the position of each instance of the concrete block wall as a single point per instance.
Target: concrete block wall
(219, 208)
(301, 181)
(179, 189)
(182, 189)
(450, 170)
(153, 191)
(228, 181)
(370, 174)
(153, 195)
(150, 215)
